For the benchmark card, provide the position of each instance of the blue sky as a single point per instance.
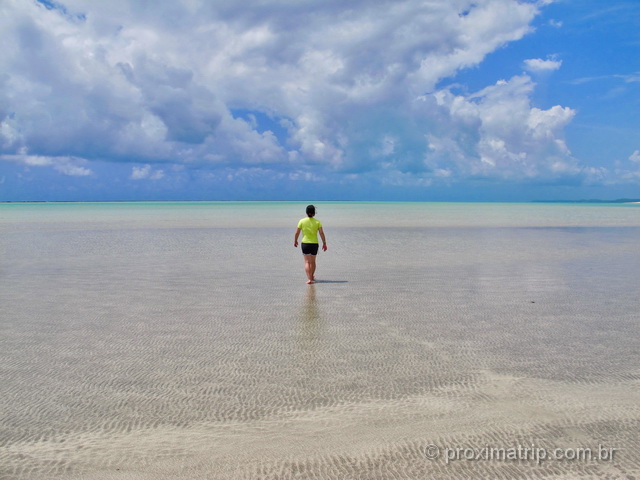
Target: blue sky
(497, 100)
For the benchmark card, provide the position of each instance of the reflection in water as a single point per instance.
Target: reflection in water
(311, 345)
(310, 322)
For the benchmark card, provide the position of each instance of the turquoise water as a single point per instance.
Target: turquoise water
(179, 340)
(338, 214)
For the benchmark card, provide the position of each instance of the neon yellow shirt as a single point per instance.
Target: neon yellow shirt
(309, 227)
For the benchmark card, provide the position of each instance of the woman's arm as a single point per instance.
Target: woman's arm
(295, 240)
(324, 239)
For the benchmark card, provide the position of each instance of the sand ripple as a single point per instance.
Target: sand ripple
(171, 353)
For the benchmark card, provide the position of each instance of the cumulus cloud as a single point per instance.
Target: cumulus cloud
(146, 172)
(497, 133)
(345, 88)
(66, 165)
(629, 172)
(73, 170)
(537, 65)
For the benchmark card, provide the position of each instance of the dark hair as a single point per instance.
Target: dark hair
(311, 210)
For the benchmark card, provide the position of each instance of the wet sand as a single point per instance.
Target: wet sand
(176, 350)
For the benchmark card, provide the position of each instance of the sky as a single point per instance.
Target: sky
(408, 100)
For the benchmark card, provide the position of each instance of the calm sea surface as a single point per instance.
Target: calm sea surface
(179, 340)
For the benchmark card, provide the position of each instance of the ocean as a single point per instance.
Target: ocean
(178, 340)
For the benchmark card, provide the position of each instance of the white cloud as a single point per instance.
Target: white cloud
(629, 172)
(146, 172)
(73, 170)
(66, 165)
(537, 65)
(627, 78)
(121, 82)
(497, 133)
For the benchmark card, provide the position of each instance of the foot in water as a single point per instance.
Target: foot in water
(310, 282)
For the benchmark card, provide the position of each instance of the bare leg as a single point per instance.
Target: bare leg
(312, 263)
(307, 268)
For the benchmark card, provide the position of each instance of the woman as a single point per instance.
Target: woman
(310, 227)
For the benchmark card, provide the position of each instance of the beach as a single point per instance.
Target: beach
(178, 340)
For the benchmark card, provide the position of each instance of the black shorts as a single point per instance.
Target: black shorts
(309, 248)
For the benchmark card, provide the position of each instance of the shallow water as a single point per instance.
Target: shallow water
(179, 340)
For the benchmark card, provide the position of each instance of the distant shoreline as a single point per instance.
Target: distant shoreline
(593, 200)
(620, 200)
